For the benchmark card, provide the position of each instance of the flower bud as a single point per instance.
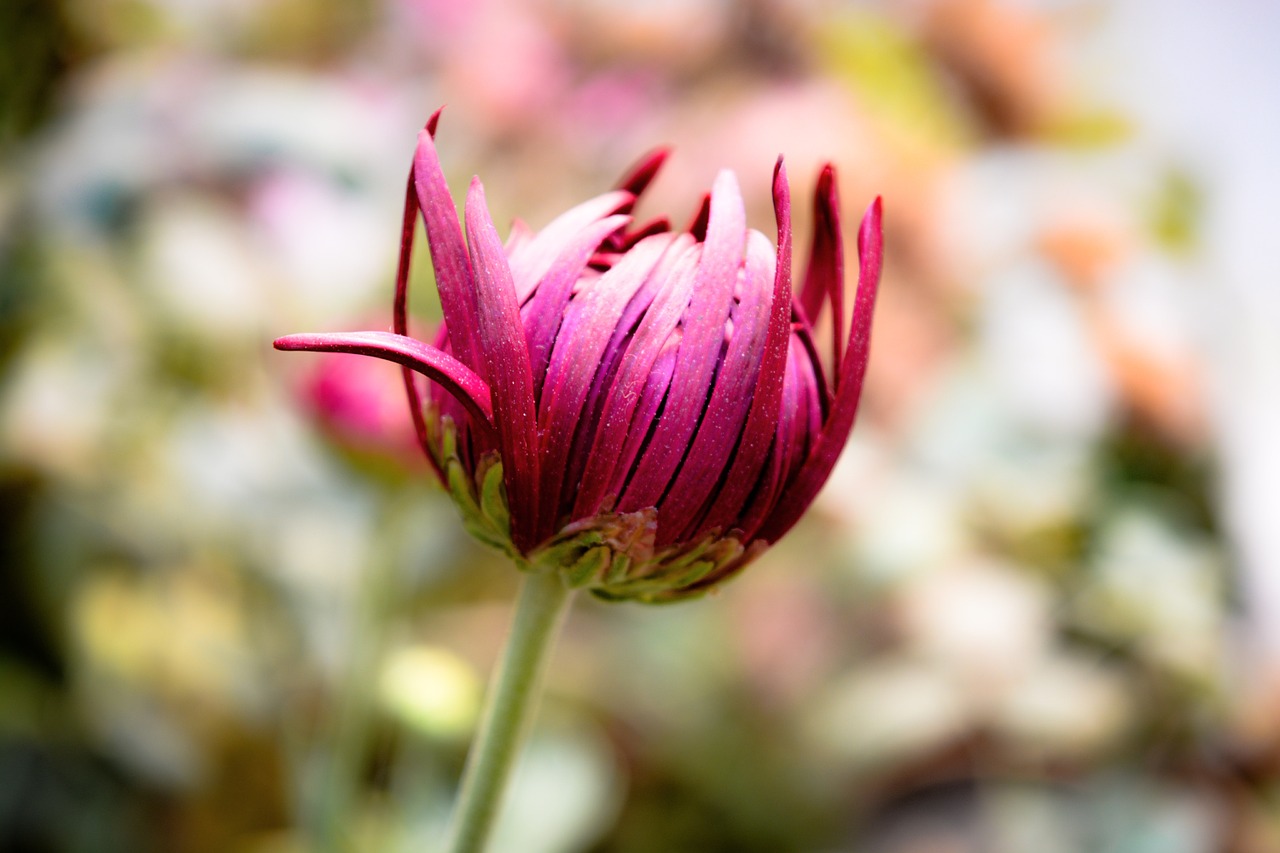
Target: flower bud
(642, 409)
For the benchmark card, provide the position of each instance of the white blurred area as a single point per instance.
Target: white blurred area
(1208, 88)
(1202, 81)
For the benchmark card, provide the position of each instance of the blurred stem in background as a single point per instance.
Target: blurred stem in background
(332, 809)
(512, 698)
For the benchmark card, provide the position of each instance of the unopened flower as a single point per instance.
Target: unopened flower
(643, 409)
(358, 404)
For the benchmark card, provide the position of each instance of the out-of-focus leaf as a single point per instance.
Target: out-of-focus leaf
(895, 81)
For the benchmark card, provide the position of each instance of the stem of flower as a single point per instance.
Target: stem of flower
(509, 706)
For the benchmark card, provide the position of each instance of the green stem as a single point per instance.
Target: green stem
(509, 707)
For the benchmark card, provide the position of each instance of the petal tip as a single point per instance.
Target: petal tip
(871, 231)
(475, 196)
(726, 182)
(781, 186)
(292, 343)
(826, 189)
(641, 175)
(430, 126)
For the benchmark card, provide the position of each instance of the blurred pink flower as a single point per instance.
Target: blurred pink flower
(642, 408)
(505, 54)
(361, 403)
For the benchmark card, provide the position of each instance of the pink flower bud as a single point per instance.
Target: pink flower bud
(643, 409)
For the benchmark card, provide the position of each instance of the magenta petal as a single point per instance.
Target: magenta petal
(824, 277)
(506, 357)
(452, 375)
(530, 264)
(624, 393)
(700, 350)
(804, 335)
(576, 362)
(681, 254)
(542, 314)
(673, 259)
(762, 420)
(870, 264)
(448, 252)
(822, 456)
(718, 433)
(400, 323)
(649, 404)
(400, 306)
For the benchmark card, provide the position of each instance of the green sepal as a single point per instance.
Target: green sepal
(493, 496)
(480, 500)
(612, 555)
(588, 567)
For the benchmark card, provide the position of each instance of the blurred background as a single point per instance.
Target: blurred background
(1037, 608)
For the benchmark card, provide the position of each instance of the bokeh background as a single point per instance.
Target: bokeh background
(1036, 609)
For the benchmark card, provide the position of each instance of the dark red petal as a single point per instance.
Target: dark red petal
(718, 433)
(801, 329)
(822, 456)
(400, 307)
(699, 356)
(824, 277)
(448, 253)
(506, 357)
(639, 176)
(786, 452)
(400, 323)
(575, 361)
(654, 226)
(642, 350)
(542, 314)
(530, 262)
(452, 375)
(698, 225)
(762, 420)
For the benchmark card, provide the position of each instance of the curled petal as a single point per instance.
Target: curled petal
(826, 449)
(641, 353)
(448, 252)
(700, 349)
(635, 181)
(435, 364)
(680, 255)
(824, 277)
(762, 419)
(400, 305)
(639, 176)
(543, 312)
(786, 454)
(652, 395)
(576, 362)
(506, 357)
(698, 225)
(718, 432)
(534, 259)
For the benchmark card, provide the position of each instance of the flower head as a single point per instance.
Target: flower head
(642, 408)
